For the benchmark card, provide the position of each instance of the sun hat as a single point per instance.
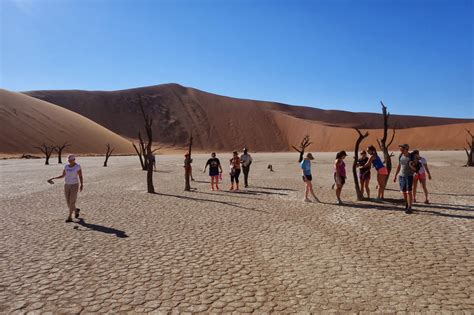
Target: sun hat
(71, 157)
(404, 146)
(310, 156)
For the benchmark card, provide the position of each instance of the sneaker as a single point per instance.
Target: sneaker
(339, 202)
(76, 213)
(68, 220)
(408, 211)
(306, 200)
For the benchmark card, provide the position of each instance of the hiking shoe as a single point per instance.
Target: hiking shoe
(76, 213)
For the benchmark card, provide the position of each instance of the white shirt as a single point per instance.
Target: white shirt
(245, 159)
(71, 174)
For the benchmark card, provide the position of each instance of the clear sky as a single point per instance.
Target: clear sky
(416, 56)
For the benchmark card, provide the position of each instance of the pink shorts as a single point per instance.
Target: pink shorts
(382, 171)
(420, 176)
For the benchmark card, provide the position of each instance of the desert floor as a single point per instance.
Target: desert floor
(261, 250)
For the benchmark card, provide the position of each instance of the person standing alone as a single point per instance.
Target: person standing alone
(246, 161)
(72, 174)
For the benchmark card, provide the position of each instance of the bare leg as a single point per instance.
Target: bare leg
(415, 185)
(212, 182)
(425, 189)
(367, 182)
(338, 192)
(362, 186)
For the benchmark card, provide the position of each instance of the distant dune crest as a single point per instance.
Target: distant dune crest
(225, 123)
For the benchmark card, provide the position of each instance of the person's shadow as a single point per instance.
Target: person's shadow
(102, 229)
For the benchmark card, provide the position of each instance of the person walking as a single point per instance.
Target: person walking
(406, 168)
(382, 172)
(340, 174)
(246, 161)
(364, 173)
(72, 174)
(234, 171)
(215, 170)
(307, 177)
(420, 175)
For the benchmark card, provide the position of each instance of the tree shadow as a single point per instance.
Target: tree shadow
(274, 188)
(234, 194)
(103, 229)
(443, 206)
(441, 214)
(227, 203)
(416, 210)
(261, 192)
(438, 193)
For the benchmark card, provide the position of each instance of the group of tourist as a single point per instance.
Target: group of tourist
(237, 164)
(412, 169)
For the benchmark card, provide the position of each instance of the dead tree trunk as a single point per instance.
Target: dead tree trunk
(470, 153)
(148, 122)
(302, 147)
(187, 166)
(47, 151)
(140, 156)
(59, 150)
(361, 137)
(108, 154)
(384, 146)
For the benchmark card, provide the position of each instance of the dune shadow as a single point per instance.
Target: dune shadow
(227, 203)
(103, 229)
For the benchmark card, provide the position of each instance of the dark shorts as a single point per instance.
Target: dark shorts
(406, 183)
(213, 172)
(364, 175)
(307, 177)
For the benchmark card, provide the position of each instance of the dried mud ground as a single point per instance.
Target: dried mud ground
(261, 250)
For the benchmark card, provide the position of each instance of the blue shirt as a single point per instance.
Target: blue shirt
(306, 167)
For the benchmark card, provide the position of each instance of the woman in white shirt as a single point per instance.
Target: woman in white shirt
(72, 174)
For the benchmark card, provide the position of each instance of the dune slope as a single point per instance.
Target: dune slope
(26, 122)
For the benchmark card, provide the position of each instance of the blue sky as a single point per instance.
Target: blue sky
(416, 56)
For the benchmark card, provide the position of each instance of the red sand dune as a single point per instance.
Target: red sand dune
(224, 123)
(26, 122)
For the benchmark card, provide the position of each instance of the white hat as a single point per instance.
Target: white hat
(71, 157)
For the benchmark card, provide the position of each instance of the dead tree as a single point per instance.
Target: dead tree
(302, 147)
(47, 151)
(108, 154)
(383, 144)
(149, 153)
(59, 149)
(187, 165)
(361, 137)
(470, 153)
